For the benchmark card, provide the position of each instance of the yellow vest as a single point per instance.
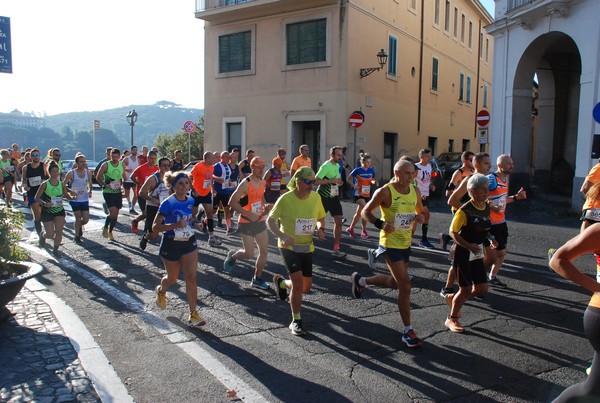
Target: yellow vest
(401, 214)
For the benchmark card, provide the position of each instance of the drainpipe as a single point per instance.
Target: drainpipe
(478, 78)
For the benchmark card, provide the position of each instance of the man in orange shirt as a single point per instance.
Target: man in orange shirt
(202, 191)
(303, 160)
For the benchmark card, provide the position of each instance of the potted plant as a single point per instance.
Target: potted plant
(14, 267)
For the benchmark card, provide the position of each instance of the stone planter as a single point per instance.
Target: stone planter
(10, 288)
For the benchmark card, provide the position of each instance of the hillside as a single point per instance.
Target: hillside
(162, 117)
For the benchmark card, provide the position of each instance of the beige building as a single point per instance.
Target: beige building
(281, 73)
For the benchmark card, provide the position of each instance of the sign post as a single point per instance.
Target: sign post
(356, 119)
(483, 118)
(5, 48)
(189, 126)
(96, 126)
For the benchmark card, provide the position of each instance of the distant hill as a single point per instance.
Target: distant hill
(162, 117)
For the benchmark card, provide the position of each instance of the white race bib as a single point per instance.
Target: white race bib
(403, 221)
(232, 184)
(80, 191)
(206, 184)
(257, 207)
(305, 226)
(35, 181)
(592, 214)
(365, 190)
(183, 234)
(56, 201)
(275, 185)
(335, 191)
(500, 203)
(114, 185)
(478, 255)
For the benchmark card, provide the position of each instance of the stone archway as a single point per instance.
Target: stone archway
(544, 129)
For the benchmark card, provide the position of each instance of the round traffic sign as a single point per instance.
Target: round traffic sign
(596, 112)
(356, 119)
(189, 126)
(483, 118)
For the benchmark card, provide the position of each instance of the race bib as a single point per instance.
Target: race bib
(403, 221)
(305, 226)
(257, 207)
(115, 185)
(365, 190)
(275, 185)
(478, 255)
(183, 234)
(335, 190)
(80, 191)
(232, 184)
(592, 214)
(56, 201)
(500, 203)
(302, 248)
(163, 194)
(35, 181)
(206, 184)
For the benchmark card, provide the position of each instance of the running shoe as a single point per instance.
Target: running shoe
(496, 282)
(426, 244)
(588, 371)
(297, 328)
(132, 211)
(259, 283)
(364, 235)
(143, 242)
(479, 297)
(195, 320)
(278, 282)
(214, 241)
(351, 232)
(454, 325)
(134, 226)
(78, 240)
(229, 262)
(338, 254)
(41, 241)
(161, 298)
(445, 291)
(55, 251)
(111, 237)
(371, 258)
(410, 339)
(550, 254)
(357, 289)
(105, 232)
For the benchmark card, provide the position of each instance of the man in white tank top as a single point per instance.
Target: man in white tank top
(131, 163)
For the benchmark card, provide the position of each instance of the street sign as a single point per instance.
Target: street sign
(482, 135)
(96, 124)
(356, 119)
(5, 46)
(483, 118)
(189, 126)
(596, 112)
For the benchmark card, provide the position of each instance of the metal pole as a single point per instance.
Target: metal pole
(132, 124)
(189, 147)
(354, 153)
(94, 143)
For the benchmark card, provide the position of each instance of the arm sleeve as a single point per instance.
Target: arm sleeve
(458, 221)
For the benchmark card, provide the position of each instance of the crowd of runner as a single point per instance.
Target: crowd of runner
(281, 198)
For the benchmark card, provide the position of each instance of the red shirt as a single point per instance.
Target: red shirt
(141, 173)
(142, 159)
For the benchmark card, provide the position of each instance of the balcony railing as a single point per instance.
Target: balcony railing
(204, 5)
(512, 4)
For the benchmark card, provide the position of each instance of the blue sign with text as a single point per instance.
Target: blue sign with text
(596, 112)
(5, 53)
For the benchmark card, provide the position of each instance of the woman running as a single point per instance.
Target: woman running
(362, 178)
(178, 246)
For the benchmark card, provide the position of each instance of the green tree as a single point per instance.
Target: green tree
(180, 140)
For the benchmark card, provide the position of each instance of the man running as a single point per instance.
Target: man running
(130, 163)
(110, 177)
(80, 180)
(252, 222)
(202, 192)
(139, 176)
(329, 182)
(222, 186)
(424, 184)
(245, 168)
(177, 162)
(33, 176)
(498, 199)
(303, 160)
(281, 153)
(400, 204)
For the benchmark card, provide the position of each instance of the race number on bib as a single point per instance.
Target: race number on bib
(35, 181)
(403, 221)
(163, 194)
(592, 214)
(500, 203)
(257, 207)
(206, 184)
(183, 234)
(275, 185)
(305, 226)
(335, 190)
(56, 201)
(365, 190)
(115, 185)
(80, 191)
(478, 255)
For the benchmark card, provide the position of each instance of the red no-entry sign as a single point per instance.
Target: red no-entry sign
(483, 118)
(356, 119)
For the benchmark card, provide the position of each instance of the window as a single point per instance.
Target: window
(470, 34)
(235, 52)
(234, 135)
(461, 87)
(481, 45)
(412, 5)
(455, 22)
(466, 145)
(463, 23)
(306, 42)
(451, 145)
(485, 95)
(432, 144)
(468, 89)
(436, 12)
(434, 74)
(447, 17)
(487, 50)
(392, 52)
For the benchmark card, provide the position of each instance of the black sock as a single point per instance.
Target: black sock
(107, 222)
(38, 227)
(424, 229)
(210, 223)
(112, 223)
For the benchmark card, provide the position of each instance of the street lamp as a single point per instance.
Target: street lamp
(381, 58)
(131, 119)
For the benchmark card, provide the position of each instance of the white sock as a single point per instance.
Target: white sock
(362, 282)
(407, 328)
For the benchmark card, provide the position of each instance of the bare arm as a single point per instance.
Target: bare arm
(459, 192)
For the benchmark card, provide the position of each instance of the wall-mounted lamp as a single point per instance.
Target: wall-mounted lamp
(381, 58)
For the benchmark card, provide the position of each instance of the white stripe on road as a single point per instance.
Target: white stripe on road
(173, 334)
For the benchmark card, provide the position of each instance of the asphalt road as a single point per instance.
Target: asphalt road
(523, 343)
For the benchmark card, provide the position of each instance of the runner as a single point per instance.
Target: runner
(424, 184)
(281, 153)
(80, 180)
(303, 160)
(273, 179)
(177, 162)
(130, 163)
(110, 178)
(202, 192)
(222, 186)
(562, 263)
(33, 176)
(50, 196)
(154, 191)
(252, 222)
(245, 169)
(362, 178)
(234, 180)
(470, 229)
(8, 177)
(139, 176)
(178, 245)
(400, 205)
(329, 182)
(299, 212)
(498, 200)
(143, 157)
(54, 156)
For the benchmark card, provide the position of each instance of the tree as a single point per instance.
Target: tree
(168, 143)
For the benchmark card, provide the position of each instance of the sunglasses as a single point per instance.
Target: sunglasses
(57, 155)
(35, 155)
(309, 181)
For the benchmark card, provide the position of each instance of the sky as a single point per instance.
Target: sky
(83, 55)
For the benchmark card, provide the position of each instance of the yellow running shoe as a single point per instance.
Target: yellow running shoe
(161, 298)
(195, 320)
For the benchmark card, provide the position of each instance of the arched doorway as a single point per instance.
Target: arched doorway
(545, 114)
